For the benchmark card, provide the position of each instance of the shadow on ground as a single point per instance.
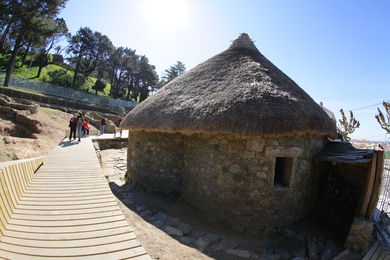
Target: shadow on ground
(307, 239)
(65, 143)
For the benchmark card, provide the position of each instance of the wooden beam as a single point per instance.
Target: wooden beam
(377, 184)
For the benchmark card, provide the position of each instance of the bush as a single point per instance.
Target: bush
(80, 80)
(100, 85)
(60, 77)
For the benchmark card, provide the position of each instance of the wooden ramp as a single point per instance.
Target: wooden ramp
(68, 211)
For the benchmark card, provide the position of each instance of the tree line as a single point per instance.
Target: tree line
(34, 26)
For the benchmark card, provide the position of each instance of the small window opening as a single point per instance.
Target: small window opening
(283, 172)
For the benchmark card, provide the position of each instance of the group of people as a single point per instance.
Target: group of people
(78, 124)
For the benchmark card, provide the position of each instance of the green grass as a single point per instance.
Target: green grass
(30, 73)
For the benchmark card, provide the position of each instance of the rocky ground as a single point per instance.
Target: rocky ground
(169, 228)
(53, 124)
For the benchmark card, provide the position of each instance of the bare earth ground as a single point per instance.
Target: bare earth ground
(54, 124)
(171, 229)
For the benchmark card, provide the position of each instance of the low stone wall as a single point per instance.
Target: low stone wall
(15, 176)
(110, 143)
(227, 176)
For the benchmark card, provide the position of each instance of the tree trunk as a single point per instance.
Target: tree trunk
(40, 61)
(13, 58)
(39, 70)
(26, 53)
(4, 36)
(76, 71)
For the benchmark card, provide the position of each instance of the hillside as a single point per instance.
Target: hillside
(47, 73)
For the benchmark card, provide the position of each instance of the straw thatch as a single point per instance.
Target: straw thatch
(237, 91)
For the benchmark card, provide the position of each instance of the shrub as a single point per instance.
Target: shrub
(60, 77)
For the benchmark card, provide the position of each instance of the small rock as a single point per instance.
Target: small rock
(235, 168)
(172, 222)
(158, 223)
(185, 228)
(128, 201)
(212, 238)
(7, 140)
(145, 214)
(140, 208)
(288, 233)
(201, 244)
(186, 240)
(298, 258)
(312, 250)
(241, 253)
(159, 216)
(197, 233)
(173, 231)
(330, 251)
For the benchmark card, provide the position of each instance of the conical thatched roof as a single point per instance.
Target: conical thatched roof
(237, 91)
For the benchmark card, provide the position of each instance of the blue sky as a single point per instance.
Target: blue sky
(337, 51)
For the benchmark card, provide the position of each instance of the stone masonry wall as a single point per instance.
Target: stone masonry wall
(154, 160)
(228, 176)
(232, 178)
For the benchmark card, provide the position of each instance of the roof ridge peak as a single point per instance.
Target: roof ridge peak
(243, 41)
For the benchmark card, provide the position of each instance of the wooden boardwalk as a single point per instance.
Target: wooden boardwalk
(69, 212)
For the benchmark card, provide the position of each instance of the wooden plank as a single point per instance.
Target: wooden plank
(15, 181)
(4, 203)
(71, 229)
(376, 187)
(66, 211)
(369, 183)
(69, 236)
(66, 195)
(65, 223)
(7, 190)
(69, 252)
(138, 254)
(371, 252)
(70, 198)
(71, 243)
(79, 186)
(70, 189)
(99, 214)
(377, 253)
(65, 207)
(10, 187)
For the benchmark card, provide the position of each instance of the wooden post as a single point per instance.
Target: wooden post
(377, 184)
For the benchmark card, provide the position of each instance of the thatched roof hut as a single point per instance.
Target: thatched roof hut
(238, 91)
(234, 136)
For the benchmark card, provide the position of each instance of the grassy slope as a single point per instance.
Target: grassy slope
(30, 73)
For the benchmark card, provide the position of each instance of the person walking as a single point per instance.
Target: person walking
(72, 127)
(80, 121)
(85, 128)
(102, 125)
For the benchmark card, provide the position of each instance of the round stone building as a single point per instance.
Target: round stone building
(234, 137)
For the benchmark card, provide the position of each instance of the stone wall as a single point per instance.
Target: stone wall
(111, 143)
(227, 176)
(155, 161)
